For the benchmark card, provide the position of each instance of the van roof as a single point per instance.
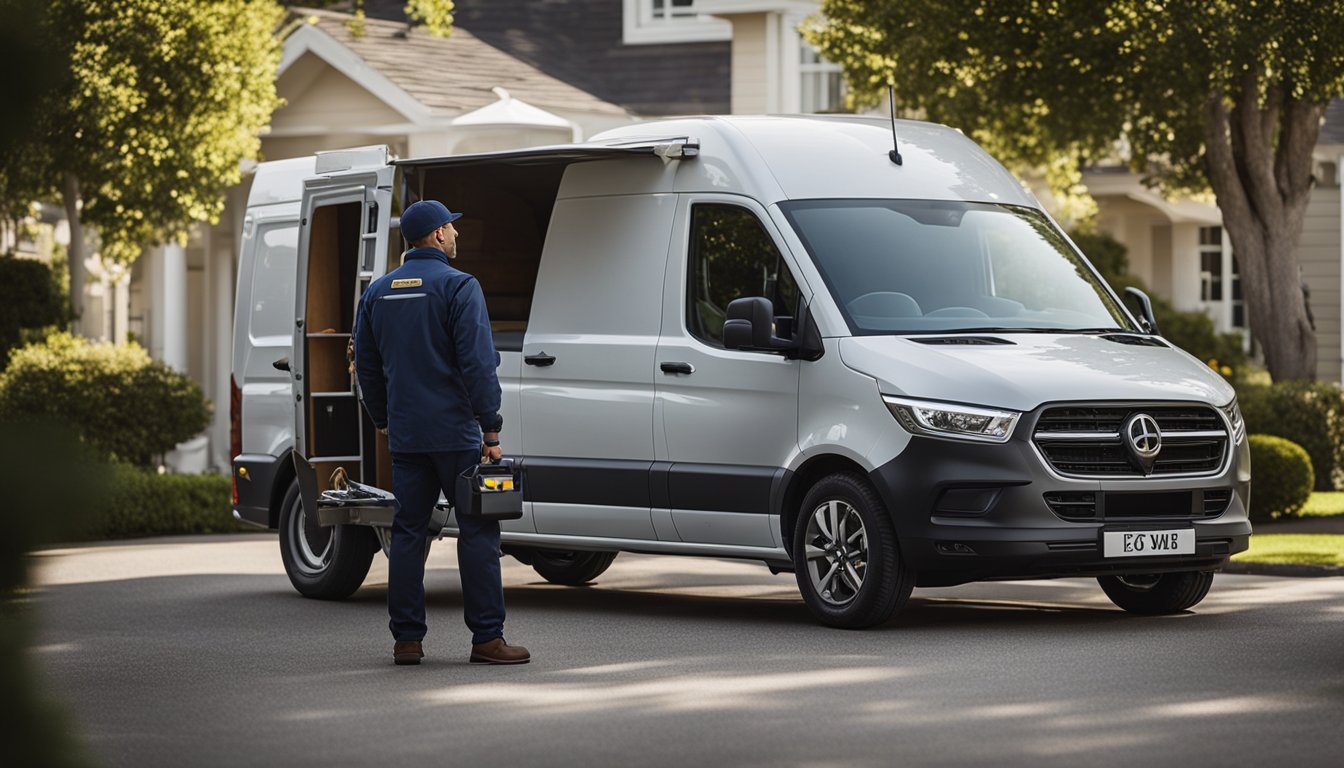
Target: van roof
(843, 156)
(280, 181)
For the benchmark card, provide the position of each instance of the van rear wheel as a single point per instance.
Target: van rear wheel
(568, 567)
(849, 569)
(326, 563)
(1155, 594)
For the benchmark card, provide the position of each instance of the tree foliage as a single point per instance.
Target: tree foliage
(30, 301)
(164, 99)
(24, 25)
(1226, 94)
(436, 16)
(143, 123)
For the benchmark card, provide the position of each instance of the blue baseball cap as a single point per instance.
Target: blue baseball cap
(419, 219)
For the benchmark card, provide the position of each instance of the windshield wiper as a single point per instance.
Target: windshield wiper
(1030, 329)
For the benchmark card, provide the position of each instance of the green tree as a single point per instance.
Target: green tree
(157, 103)
(436, 16)
(1196, 94)
(23, 48)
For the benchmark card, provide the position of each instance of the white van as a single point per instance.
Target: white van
(756, 338)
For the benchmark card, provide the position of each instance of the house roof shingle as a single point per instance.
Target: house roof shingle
(455, 74)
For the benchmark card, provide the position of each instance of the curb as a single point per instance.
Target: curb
(1283, 569)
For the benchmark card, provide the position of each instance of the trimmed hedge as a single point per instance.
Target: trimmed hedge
(30, 301)
(1309, 413)
(140, 502)
(1281, 478)
(120, 401)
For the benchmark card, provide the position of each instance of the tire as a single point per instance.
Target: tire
(1158, 593)
(858, 578)
(570, 568)
(322, 563)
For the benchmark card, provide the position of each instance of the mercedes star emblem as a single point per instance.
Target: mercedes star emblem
(1144, 439)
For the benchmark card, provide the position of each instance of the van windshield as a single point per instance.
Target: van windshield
(914, 266)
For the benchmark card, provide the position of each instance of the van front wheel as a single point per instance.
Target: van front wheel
(848, 566)
(1157, 593)
(326, 563)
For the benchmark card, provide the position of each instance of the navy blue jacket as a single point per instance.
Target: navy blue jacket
(425, 357)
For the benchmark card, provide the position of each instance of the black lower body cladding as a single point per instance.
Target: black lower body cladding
(256, 488)
(967, 511)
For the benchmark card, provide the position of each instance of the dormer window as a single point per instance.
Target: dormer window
(671, 21)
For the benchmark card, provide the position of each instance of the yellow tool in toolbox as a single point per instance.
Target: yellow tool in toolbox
(491, 491)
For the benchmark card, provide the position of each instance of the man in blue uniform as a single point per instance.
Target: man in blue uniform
(426, 364)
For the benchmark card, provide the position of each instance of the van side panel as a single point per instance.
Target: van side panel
(596, 312)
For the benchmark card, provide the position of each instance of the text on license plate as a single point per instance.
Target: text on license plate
(1140, 543)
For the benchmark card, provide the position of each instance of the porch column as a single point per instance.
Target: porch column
(121, 306)
(168, 323)
(218, 333)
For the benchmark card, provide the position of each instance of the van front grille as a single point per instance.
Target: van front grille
(1088, 440)
(1131, 506)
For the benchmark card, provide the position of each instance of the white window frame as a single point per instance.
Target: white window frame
(1222, 309)
(821, 68)
(639, 27)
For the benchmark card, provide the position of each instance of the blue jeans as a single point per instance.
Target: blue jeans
(416, 481)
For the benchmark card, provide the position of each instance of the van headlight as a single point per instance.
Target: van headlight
(962, 422)
(1233, 414)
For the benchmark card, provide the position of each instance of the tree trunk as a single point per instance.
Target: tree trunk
(1259, 159)
(75, 256)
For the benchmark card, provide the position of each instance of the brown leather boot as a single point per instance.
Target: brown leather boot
(407, 652)
(499, 652)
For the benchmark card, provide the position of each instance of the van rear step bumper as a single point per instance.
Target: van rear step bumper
(378, 512)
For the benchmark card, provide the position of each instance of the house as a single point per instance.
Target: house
(662, 57)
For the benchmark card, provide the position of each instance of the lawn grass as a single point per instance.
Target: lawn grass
(1294, 549)
(1324, 503)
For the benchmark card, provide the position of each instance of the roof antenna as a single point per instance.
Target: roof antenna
(895, 153)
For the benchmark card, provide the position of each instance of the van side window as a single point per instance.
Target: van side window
(273, 280)
(732, 256)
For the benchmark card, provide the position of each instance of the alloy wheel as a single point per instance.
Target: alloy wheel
(836, 552)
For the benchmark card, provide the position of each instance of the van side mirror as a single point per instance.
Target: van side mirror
(1148, 318)
(750, 325)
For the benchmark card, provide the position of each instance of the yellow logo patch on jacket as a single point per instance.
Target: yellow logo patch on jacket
(407, 282)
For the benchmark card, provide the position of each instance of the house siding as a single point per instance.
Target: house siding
(1318, 253)
(751, 76)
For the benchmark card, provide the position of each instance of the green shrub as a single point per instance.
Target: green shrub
(1310, 413)
(141, 502)
(30, 303)
(1281, 478)
(120, 401)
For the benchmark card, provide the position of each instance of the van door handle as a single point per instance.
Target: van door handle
(281, 365)
(685, 368)
(541, 359)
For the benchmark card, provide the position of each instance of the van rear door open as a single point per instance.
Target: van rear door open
(343, 246)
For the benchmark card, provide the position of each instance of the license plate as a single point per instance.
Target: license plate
(1146, 543)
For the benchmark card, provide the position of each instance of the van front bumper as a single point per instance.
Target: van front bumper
(971, 512)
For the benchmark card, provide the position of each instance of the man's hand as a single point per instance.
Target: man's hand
(491, 453)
